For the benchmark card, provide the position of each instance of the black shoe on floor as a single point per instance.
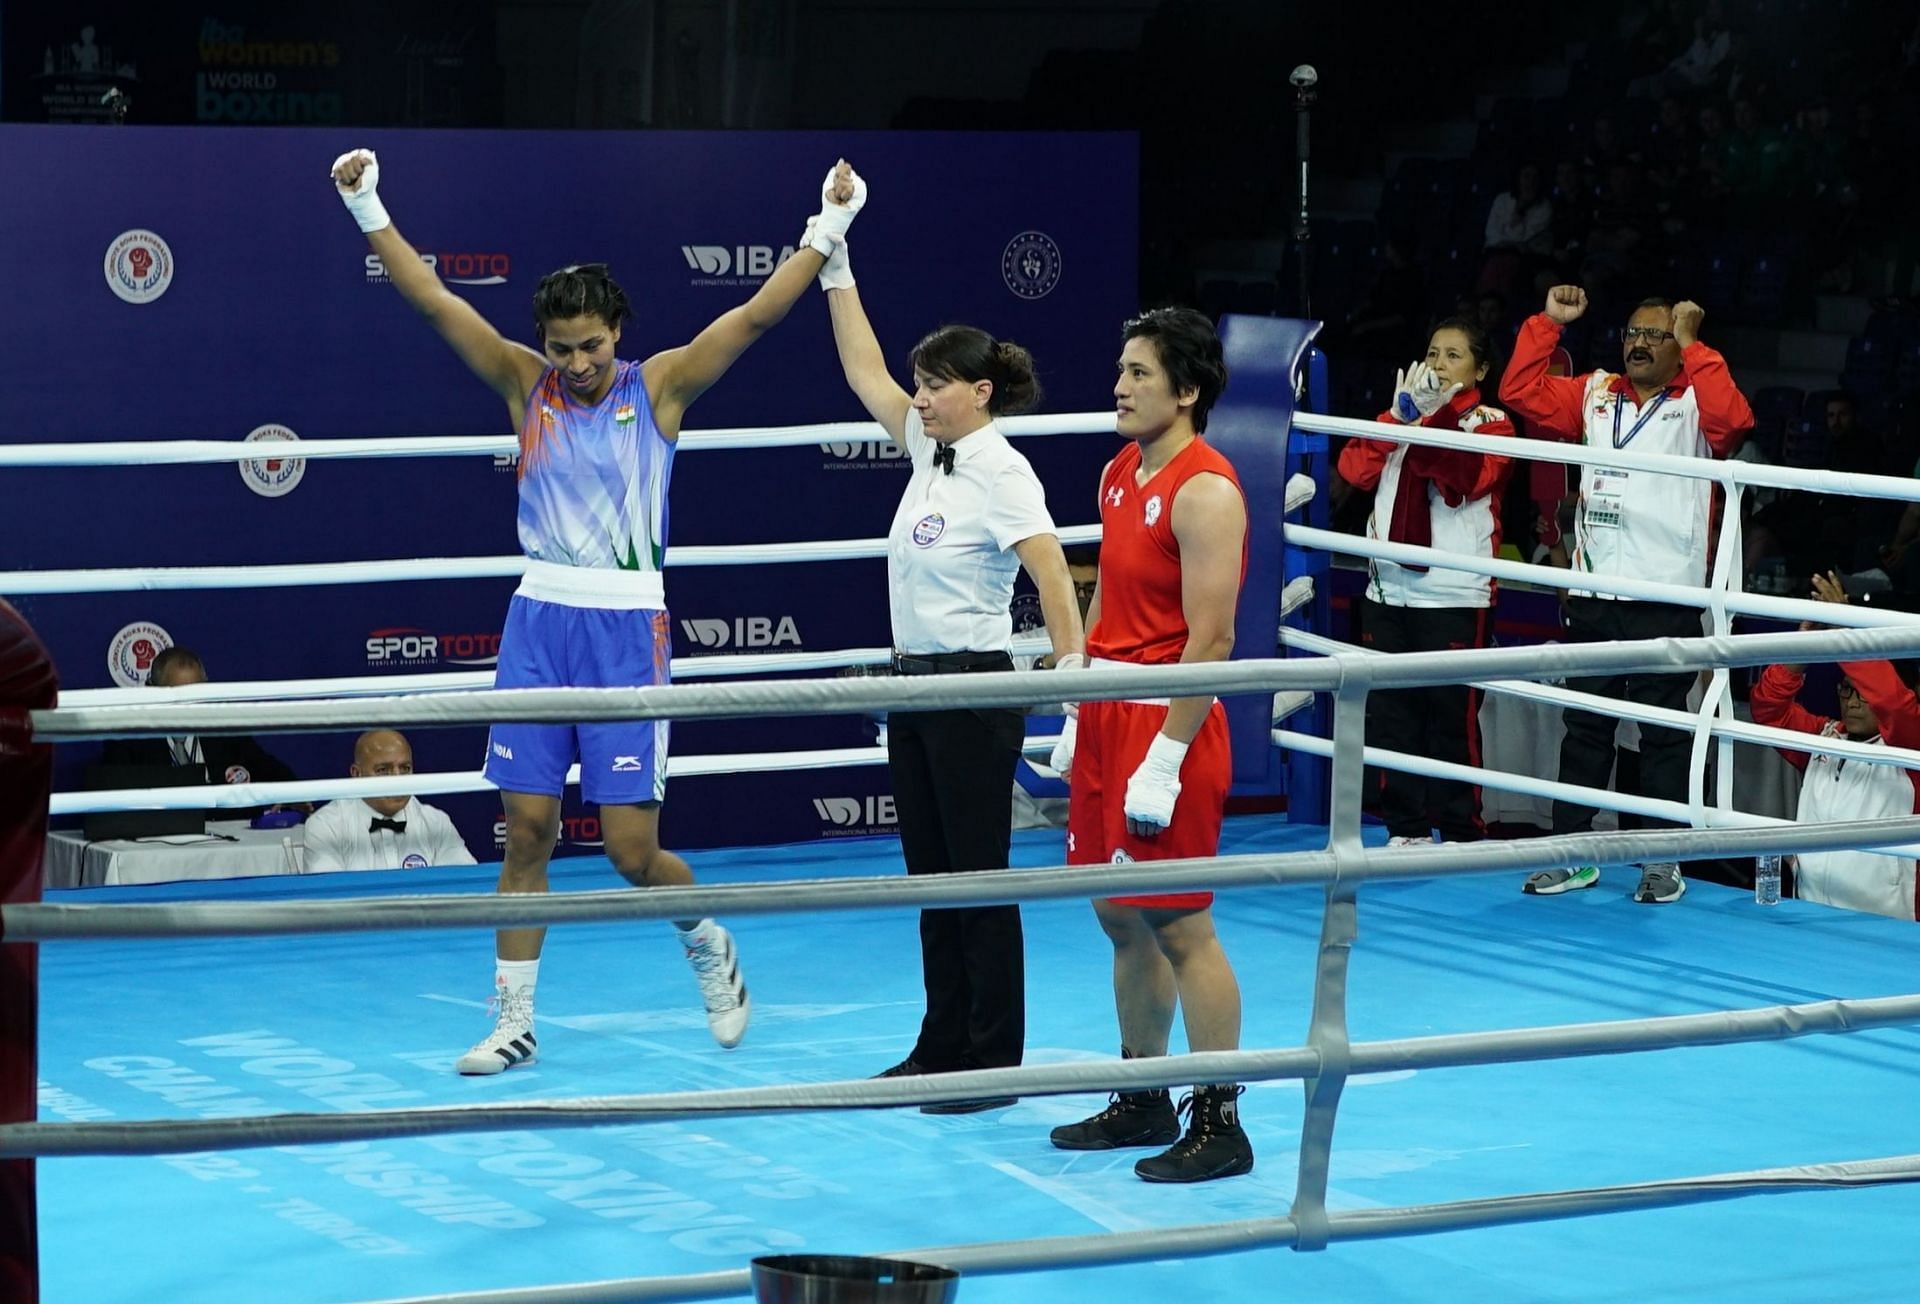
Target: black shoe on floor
(1214, 1146)
(906, 1068)
(969, 1106)
(1131, 1118)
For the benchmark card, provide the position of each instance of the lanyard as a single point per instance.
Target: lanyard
(1646, 415)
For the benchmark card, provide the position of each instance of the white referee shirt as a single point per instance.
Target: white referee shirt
(950, 559)
(339, 836)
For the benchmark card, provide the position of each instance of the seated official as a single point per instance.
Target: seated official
(226, 758)
(1877, 708)
(381, 832)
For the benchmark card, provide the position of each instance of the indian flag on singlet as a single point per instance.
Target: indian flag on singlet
(593, 480)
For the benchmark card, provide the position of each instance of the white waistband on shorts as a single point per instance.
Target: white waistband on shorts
(593, 586)
(1106, 663)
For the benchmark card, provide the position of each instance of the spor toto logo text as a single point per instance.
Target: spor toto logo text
(576, 830)
(131, 652)
(743, 632)
(139, 266)
(273, 477)
(1031, 264)
(409, 645)
(454, 268)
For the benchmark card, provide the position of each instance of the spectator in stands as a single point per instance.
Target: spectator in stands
(1674, 396)
(1876, 708)
(1450, 501)
(1519, 231)
(226, 758)
(398, 832)
(1699, 66)
(1384, 326)
(1753, 158)
(1623, 234)
(1673, 153)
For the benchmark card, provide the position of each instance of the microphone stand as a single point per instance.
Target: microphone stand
(1303, 97)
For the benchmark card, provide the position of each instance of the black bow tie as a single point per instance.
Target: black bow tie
(943, 458)
(397, 826)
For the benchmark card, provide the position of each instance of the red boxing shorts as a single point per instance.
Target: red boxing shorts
(1113, 740)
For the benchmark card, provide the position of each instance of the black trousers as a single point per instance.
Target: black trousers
(1440, 721)
(1586, 755)
(953, 791)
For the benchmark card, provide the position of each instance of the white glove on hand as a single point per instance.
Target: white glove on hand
(362, 198)
(1155, 787)
(1062, 757)
(838, 273)
(834, 219)
(1418, 393)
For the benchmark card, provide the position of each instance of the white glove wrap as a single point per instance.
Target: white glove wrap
(834, 219)
(838, 273)
(1062, 758)
(363, 200)
(1071, 661)
(1155, 786)
(1419, 393)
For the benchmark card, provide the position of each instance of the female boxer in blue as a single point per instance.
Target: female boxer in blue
(596, 448)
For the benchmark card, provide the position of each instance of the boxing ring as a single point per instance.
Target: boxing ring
(1594, 1040)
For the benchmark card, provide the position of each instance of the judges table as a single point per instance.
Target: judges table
(228, 849)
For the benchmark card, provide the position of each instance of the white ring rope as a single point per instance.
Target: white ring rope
(179, 451)
(1445, 1050)
(48, 922)
(1001, 688)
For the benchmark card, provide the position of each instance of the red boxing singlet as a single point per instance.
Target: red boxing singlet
(1141, 617)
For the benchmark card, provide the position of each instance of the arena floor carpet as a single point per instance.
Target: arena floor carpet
(365, 1021)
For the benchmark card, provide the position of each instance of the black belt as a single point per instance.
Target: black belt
(950, 663)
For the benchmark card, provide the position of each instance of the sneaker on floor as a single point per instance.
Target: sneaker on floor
(1215, 1144)
(717, 965)
(510, 1043)
(1552, 882)
(1131, 1118)
(1659, 884)
(1407, 840)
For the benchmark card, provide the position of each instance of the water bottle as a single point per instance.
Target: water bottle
(1766, 880)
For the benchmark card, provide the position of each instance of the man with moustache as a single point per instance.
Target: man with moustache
(1675, 396)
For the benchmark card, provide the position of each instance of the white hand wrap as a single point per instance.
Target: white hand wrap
(834, 219)
(838, 273)
(1071, 661)
(1062, 758)
(1155, 786)
(363, 200)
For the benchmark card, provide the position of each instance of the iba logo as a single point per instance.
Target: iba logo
(130, 655)
(851, 816)
(743, 632)
(453, 268)
(859, 456)
(733, 264)
(410, 646)
(273, 477)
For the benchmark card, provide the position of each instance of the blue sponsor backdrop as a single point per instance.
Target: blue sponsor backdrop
(271, 314)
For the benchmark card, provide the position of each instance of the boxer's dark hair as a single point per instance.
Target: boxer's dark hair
(582, 290)
(1189, 351)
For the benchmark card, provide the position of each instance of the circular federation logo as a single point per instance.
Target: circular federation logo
(1153, 510)
(1121, 857)
(130, 655)
(239, 774)
(929, 528)
(139, 266)
(414, 861)
(1031, 265)
(274, 477)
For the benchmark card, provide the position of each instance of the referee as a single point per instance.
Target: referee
(973, 514)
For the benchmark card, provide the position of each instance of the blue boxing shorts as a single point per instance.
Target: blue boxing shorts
(550, 645)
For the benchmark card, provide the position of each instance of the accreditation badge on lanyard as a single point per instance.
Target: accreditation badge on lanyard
(1604, 501)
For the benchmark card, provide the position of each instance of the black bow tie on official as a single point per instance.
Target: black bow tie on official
(397, 826)
(943, 458)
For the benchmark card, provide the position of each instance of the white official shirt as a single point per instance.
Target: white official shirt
(950, 559)
(338, 837)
